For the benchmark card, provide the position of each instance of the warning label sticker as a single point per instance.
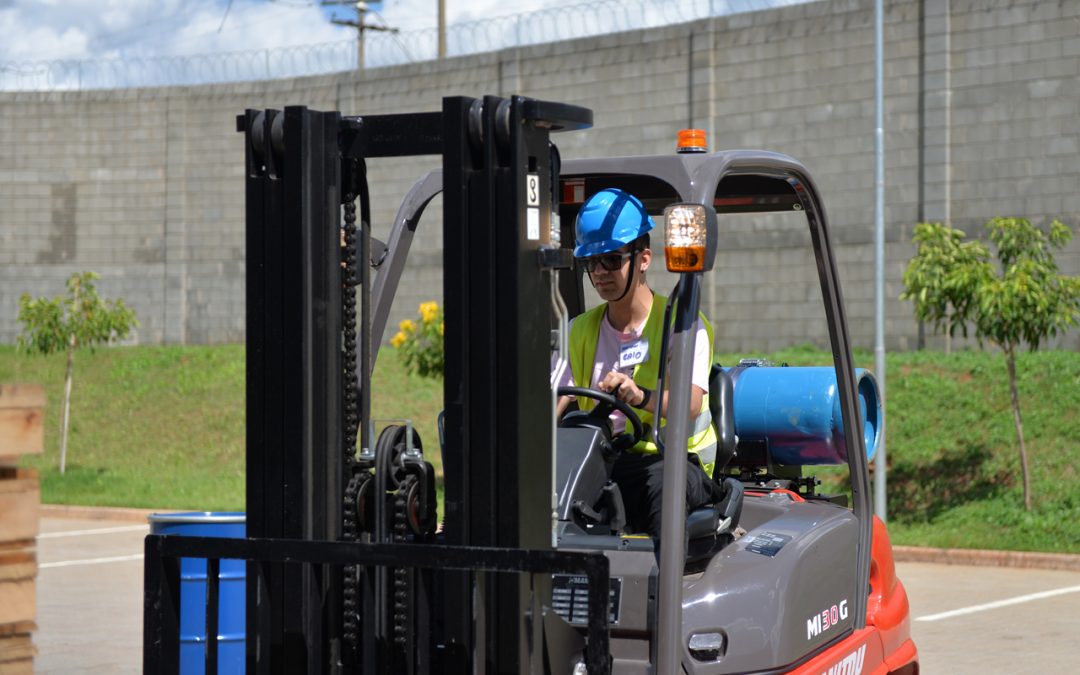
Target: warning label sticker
(765, 543)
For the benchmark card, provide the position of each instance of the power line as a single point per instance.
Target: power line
(360, 24)
(170, 19)
(227, 8)
(234, 26)
(394, 34)
(188, 38)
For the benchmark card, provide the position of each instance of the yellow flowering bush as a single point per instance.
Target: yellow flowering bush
(428, 311)
(421, 344)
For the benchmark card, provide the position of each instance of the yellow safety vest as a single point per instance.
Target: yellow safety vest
(584, 335)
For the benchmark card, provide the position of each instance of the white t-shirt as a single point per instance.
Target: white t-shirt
(609, 347)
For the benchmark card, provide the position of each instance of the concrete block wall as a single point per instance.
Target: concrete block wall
(145, 186)
(1015, 108)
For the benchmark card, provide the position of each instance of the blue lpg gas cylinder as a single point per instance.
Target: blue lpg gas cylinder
(796, 412)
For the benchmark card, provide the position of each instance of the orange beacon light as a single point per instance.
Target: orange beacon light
(691, 140)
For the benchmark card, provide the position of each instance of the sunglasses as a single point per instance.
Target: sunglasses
(609, 261)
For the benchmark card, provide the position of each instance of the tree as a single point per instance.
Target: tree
(79, 319)
(1022, 298)
(942, 296)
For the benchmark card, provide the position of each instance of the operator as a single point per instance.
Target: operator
(615, 347)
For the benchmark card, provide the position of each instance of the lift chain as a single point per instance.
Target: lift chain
(351, 582)
(404, 499)
(351, 527)
(349, 280)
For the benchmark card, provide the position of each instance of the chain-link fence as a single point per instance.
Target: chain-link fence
(381, 48)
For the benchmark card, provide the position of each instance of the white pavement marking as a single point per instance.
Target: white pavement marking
(999, 603)
(100, 530)
(91, 561)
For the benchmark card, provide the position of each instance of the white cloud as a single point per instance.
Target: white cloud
(119, 43)
(92, 29)
(49, 30)
(419, 14)
(46, 30)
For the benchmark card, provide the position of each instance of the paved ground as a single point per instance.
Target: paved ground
(1034, 635)
(965, 619)
(89, 597)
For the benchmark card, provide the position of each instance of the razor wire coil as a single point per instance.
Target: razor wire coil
(552, 24)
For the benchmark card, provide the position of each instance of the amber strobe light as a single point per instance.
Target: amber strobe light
(691, 140)
(685, 237)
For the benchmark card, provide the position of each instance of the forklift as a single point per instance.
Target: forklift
(534, 569)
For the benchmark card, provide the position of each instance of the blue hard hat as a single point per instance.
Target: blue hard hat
(611, 219)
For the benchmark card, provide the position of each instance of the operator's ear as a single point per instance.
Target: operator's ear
(646, 258)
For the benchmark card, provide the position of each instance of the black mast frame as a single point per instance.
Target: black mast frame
(299, 165)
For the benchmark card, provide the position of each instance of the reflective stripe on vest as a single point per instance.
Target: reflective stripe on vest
(584, 335)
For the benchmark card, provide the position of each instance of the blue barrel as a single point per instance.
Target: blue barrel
(231, 590)
(796, 411)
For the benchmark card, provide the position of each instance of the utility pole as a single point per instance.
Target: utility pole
(880, 462)
(360, 24)
(442, 29)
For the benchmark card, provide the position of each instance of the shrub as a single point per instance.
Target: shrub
(421, 344)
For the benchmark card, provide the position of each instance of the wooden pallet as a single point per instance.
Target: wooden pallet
(22, 421)
(22, 412)
(17, 648)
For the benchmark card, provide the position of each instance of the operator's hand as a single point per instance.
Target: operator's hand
(623, 387)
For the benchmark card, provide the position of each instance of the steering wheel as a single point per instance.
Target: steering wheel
(605, 403)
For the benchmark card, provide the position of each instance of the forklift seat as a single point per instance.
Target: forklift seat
(719, 517)
(702, 522)
(710, 528)
(722, 409)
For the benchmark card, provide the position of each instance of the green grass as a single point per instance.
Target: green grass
(163, 427)
(954, 468)
(955, 477)
(150, 426)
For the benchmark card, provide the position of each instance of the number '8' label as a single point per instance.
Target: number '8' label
(532, 190)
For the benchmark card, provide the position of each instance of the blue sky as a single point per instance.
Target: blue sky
(48, 30)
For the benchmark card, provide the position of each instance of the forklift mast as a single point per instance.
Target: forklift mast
(304, 407)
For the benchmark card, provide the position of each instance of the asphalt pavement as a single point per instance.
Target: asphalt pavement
(993, 619)
(965, 619)
(89, 596)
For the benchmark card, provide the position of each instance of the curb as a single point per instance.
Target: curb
(915, 554)
(97, 512)
(984, 558)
